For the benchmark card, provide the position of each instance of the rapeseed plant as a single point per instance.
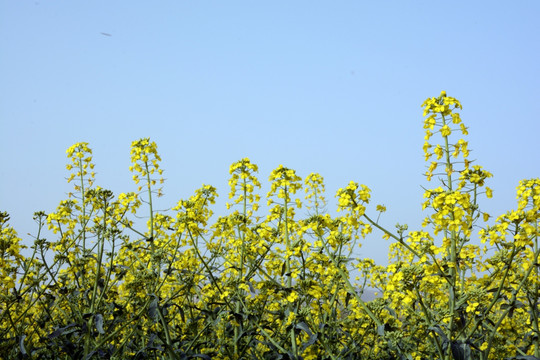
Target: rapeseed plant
(247, 286)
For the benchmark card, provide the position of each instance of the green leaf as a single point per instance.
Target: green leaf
(347, 298)
(181, 311)
(21, 344)
(98, 319)
(153, 309)
(460, 350)
(303, 326)
(380, 330)
(61, 331)
(202, 356)
(251, 288)
(312, 337)
(89, 356)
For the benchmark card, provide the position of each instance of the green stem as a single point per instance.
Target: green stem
(534, 305)
(288, 266)
(121, 328)
(453, 294)
(100, 243)
(83, 199)
(168, 342)
(240, 276)
(149, 187)
(393, 236)
(511, 302)
(42, 290)
(430, 321)
(26, 264)
(207, 267)
(156, 268)
(350, 287)
(497, 295)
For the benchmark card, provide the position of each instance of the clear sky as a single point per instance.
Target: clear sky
(333, 87)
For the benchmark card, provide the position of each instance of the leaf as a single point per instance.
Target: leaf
(98, 318)
(439, 331)
(181, 311)
(202, 356)
(251, 288)
(312, 337)
(523, 357)
(21, 344)
(391, 311)
(89, 356)
(87, 316)
(60, 331)
(347, 298)
(380, 330)
(153, 337)
(239, 317)
(460, 350)
(153, 309)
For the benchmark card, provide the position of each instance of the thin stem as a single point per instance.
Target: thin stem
(350, 287)
(83, 199)
(149, 187)
(534, 305)
(453, 245)
(512, 301)
(288, 264)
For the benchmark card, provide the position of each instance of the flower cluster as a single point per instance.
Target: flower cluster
(145, 160)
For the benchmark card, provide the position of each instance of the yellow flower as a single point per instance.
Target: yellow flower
(292, 297)
(445, 131)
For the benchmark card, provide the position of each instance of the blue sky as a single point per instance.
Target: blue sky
(333, 87)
